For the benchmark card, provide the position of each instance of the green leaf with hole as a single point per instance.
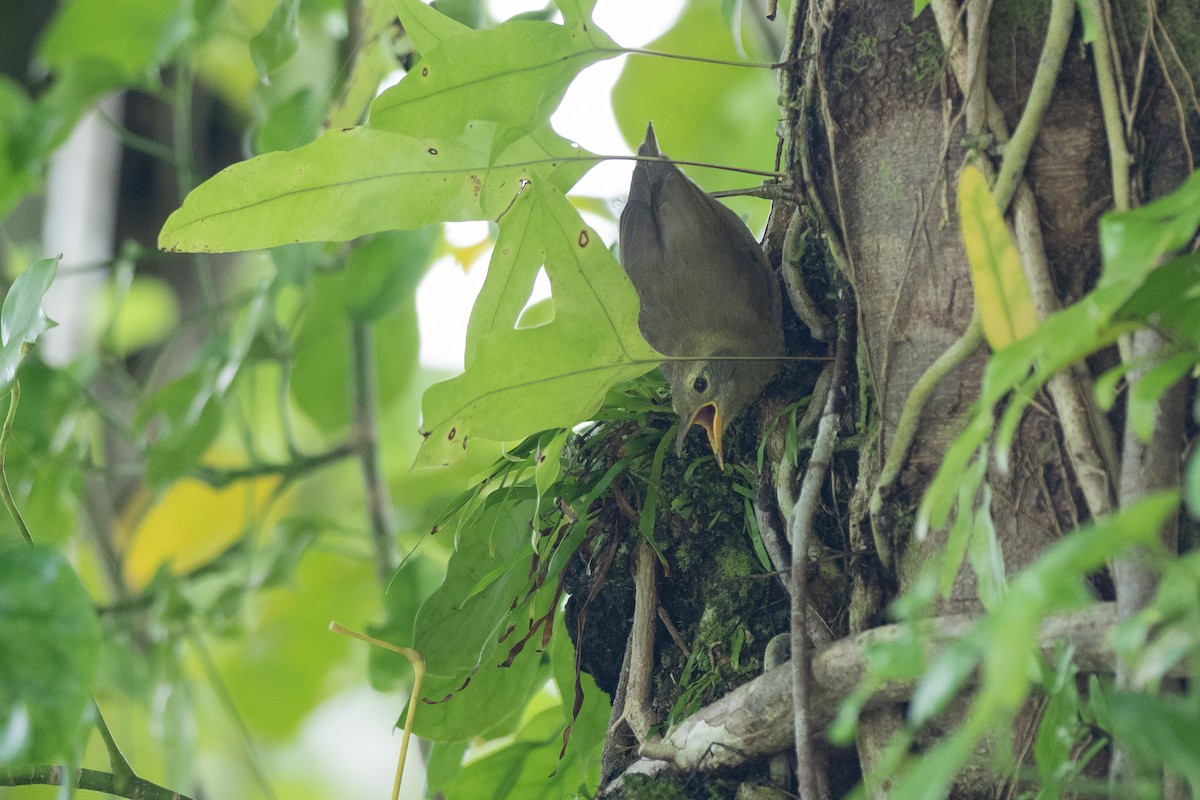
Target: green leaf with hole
(22, 319)
(356, 181)
(1002, 292)
(49, 648)
(514, 75)
(521, 381)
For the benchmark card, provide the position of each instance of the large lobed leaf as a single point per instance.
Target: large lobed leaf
(520, 381)
(356, 181)
(515, 75)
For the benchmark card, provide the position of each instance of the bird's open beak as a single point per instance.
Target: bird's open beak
(708, 416)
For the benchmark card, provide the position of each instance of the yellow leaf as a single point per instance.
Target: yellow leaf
(191, 524)
(1002, 293)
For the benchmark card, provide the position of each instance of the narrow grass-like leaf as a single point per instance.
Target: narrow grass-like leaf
(521, 381)
(1002, 292)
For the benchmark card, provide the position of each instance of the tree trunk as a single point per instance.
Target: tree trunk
(877, 126)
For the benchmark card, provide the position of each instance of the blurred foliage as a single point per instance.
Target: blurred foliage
(207, 475)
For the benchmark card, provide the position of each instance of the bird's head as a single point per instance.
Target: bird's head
(711, 393)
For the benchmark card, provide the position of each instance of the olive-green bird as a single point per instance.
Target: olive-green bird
(706, 291)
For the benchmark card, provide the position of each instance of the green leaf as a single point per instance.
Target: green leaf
(385, 270)
(356, 181)
(49, 648)
(1132, 243)
(425, 25)
(1191, 477)
(1002, 294)
(1160, 732)
(1085, 16)
(458, 624)
(519, 382)
(1006, 640)
(278, 41)
(132, 36)
(1168, 299)
(918, 7)
(577, 13)
(514, 76)
(457, 630)
(1146, 391)
(321, 375)
(22, 319)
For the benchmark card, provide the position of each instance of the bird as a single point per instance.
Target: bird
(707, 293)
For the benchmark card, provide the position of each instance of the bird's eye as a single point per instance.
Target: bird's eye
(700, 385)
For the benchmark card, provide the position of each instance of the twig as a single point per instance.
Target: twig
(289, 470)
(800, 524)
(5, 433)
(89, 780)
(181, 143)
(636, 711)
(366, 425)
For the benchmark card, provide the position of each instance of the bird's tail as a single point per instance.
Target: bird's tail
(650, 145)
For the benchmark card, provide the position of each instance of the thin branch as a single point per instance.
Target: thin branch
(89, 780)
(289, 470)
(800, 524)
(181, 122)
(366, 425)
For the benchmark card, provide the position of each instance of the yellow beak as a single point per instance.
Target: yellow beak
(708, 416)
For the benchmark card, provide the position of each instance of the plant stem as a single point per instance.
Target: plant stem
(1016, 150)
(89, 780)
(5, 433)
(300, 465)
(366, 427)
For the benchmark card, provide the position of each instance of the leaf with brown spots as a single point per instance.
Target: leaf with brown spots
(519, 381)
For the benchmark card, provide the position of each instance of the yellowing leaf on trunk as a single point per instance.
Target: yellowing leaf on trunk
(1002, 293)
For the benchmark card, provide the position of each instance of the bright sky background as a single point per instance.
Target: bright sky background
(445, 296)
